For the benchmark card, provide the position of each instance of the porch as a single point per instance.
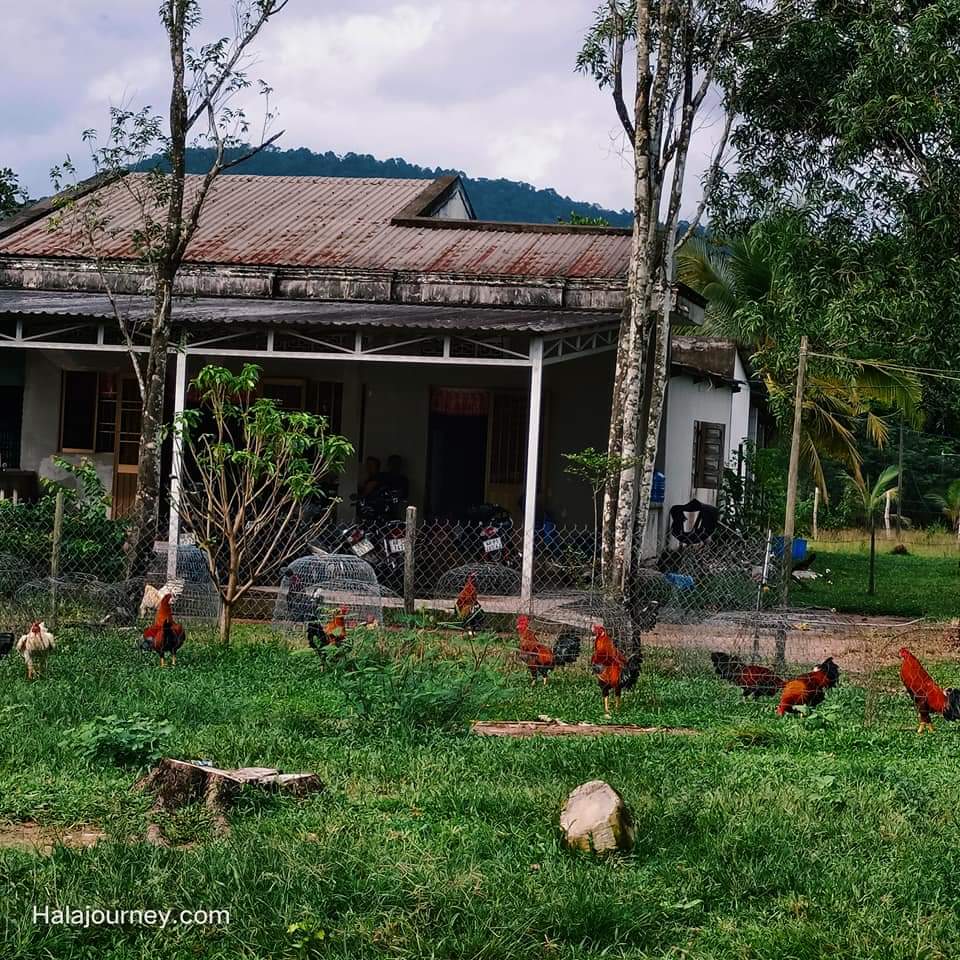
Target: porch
(479, 405)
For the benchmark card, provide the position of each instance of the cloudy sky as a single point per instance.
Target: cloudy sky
(486, 86)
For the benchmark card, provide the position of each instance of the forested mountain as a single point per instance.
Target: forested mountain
(492, 199)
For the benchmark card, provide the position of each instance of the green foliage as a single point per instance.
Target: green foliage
(92, 543)
(850, 117)
(12, 195)
(133, 741)
(579, 220)
(949, 503)
(306, 938)
(406, 690)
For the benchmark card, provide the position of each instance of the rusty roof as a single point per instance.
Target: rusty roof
(333, 222)
(203, 310)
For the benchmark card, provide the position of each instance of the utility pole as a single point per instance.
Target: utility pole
(900, 484)
(793, 474)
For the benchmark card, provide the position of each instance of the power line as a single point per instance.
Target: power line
(932, 372)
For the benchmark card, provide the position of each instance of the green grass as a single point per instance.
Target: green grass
(917, 584)
(759, 838)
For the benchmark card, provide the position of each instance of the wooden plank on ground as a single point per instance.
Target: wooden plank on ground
(557, 728)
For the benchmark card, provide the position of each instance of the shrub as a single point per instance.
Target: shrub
(132, 742)
(407, 689)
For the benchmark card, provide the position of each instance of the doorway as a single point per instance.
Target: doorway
(456, 452)
(127, 449)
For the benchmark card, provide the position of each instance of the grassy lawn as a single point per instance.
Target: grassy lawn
(923, 583)
(758, 838)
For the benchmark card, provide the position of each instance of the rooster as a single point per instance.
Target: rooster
(541, 659)
(35, 646)
(165, 636)
(153, 595)
(615, 671)
(6, 644)
(333, 632)
(809, 689)
(926, 695)
(756, 681)
(466, 608)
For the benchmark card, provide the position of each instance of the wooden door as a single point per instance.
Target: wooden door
(127, 447)
(507, 450)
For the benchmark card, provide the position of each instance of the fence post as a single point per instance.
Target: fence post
(410, 538)
(55, 558)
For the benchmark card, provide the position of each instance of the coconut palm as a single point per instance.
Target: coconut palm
(741, 283)
(871, 499)
(949, 503)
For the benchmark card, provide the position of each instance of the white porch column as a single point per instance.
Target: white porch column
(533, 466)
(176, 465)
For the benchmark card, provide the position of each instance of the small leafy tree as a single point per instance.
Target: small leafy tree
(871, 498)
(949, 503)
(596, 468)
(252, 472)
(12, 195)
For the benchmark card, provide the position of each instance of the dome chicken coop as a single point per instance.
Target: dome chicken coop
(311, 588)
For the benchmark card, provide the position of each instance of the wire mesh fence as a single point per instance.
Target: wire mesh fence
(708, 613)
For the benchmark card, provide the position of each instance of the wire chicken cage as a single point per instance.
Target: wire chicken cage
(195, 594)
(312, 587)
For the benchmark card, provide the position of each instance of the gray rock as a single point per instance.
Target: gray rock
(595, 818)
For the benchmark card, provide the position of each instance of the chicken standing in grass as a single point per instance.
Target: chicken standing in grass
(165, 636)
(615, 670)
(928, 697)
(809, 689)
(333, 632)
(541, 659)
(467, 611)
(755, 680)
(35, 646)
(153, 595)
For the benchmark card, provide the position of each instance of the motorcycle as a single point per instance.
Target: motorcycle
(375, 536)
(487, 534)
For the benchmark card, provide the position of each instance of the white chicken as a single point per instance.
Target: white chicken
(153, 595)
(35, 646)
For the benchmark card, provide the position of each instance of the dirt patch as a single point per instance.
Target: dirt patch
(33, 838)
(557, 728)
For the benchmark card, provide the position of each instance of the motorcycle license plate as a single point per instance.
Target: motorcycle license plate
(361, 548)
(492, 545)
(396, 546)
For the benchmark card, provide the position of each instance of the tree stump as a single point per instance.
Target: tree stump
(179, 783)
(595, 818)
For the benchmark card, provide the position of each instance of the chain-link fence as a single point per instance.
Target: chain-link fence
(709, 613)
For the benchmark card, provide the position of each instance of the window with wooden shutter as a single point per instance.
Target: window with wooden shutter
(708, 451)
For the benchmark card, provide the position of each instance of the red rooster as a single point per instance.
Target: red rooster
(809, 689)
(165, 636)
(334, 631)
(927, 696)
(615, 672)
(541, 659)
(755, 680)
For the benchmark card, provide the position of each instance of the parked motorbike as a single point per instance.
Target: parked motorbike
(487, 534)
(374, 536)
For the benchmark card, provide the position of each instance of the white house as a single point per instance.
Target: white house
(478, 352)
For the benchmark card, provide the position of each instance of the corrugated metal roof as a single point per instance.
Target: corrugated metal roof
(335, 222)
(203, 310)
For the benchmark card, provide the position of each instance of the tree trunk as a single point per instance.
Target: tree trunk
(143, 531)
(873, 555)
(611, 491)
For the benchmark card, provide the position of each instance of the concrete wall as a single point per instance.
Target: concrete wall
(687, 402)
(740, 427)
(40, 439)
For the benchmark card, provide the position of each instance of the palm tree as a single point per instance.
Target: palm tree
(949, 503)
(871, 499)
(740, 281)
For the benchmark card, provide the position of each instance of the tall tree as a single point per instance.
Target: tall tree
(682, 49)
(852, 113)
(205, 81)
(765, 289)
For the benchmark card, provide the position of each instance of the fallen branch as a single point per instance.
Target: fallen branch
(557, 728)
